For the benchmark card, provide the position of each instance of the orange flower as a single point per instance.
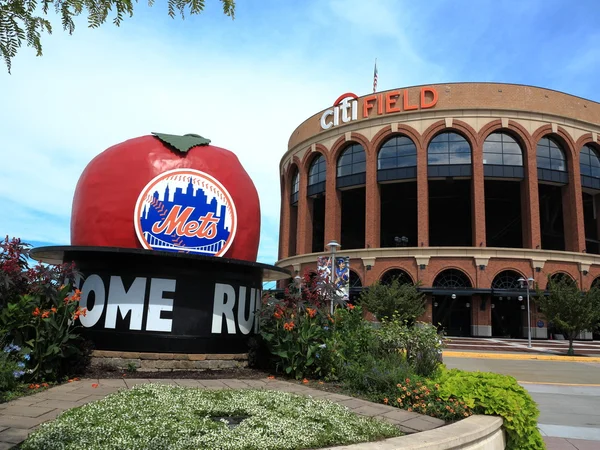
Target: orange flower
(45, 385)
(320, 382)
(36, 312)
(288, 326)
(385, 400)
(271, 377)
(409, 409)
(350, 306)
(32, 386)
(45, 314)
(311, 312)
(305, 381)
(277, 315)
(407, 380)
(94, 385)
(53, 309)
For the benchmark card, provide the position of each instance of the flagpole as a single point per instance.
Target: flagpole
(375, 77)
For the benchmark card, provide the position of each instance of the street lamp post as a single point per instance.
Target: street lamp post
(333, 245)
(526, 282)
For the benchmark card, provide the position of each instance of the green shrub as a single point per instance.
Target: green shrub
(12, 367)
(374, 375)
(401, 299)
(421, 343)
(500, 395)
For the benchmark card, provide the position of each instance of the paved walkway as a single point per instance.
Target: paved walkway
(20, 417)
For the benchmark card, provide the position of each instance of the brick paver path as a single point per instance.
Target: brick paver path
(20, 417)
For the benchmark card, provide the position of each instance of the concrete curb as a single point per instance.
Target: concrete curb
(518, 357)
(473, 433)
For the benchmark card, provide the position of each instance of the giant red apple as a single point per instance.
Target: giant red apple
(170, 193)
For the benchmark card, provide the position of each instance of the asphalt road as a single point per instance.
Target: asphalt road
(567, 393)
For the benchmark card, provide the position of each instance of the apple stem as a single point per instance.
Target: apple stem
(184, 143)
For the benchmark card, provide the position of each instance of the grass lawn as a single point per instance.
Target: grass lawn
(156, 416)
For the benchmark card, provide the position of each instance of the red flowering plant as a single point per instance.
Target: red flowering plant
(39, 311)
(296, 326)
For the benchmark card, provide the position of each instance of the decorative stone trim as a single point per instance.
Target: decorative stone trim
(167, 362)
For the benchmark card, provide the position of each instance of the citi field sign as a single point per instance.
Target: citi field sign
(346, 107)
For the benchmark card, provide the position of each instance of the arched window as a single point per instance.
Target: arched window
(389, 276)
(448, 149)
(317, 174)
(352, 161)
(550, 155)
(507, 279)
(501, 149)
(452, 279)
(351, 166)
(398, 151)
(354, 280)
(295, 186)
(589, 162)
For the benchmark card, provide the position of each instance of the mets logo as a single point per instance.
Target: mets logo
(185, 210)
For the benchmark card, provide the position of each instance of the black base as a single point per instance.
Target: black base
(150, 301)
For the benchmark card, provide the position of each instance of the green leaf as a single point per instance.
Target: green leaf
(183, 143)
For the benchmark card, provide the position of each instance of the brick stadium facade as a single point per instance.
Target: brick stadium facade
(462, 187)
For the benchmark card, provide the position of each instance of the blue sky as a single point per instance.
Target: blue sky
(247, 83)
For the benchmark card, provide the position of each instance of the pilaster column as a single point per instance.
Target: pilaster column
(422, 197)
(372, 204)
(478, 197)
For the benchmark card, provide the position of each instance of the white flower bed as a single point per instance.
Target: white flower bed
(155, 416)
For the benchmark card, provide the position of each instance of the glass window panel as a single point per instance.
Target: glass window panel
(513, 160)
(440, 138)
(556, 153)
(552, 144)
(507, 139)
(345, 159)
(387, 153)
(358, 156)
(403, 140)
(492, 147)
(586, 170)
(558, 165)
(344, 170)
(359, 167)
(543, 151)
(584, 151)
(494, 137)
(492, 158)
(455, 137)
(595, 172)
(438, 147)
(407, 150)
(407, 161)
(460, 158)
(512, 148)
(386, 163)
(543, 163)
(437, 158)
(459, 147)
(594, 161)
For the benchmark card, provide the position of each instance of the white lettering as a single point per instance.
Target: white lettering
(94, 284)
(246, 324)
(336, 116)
(344, 106)
(157, 304)
(223, 308)
(324, 124)
(119, 300)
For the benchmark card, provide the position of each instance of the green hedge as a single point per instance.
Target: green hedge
(499, 395)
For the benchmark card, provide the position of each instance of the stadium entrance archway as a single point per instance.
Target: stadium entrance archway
(452, 311)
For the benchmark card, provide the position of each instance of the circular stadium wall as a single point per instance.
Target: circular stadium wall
(462, 187)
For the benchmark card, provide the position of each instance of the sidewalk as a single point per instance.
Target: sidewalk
(20, 417)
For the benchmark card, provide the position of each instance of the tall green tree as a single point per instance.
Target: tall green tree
(401, 299)
(25, 20)
(569, 309)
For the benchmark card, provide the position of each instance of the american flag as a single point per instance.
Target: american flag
(375, 78)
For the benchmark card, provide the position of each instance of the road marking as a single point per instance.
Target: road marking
(558, 384)
(527, 356)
